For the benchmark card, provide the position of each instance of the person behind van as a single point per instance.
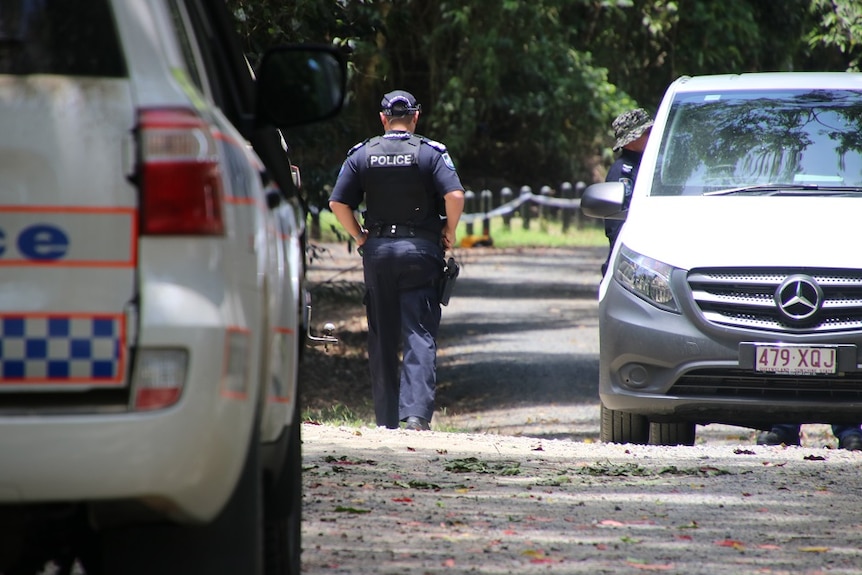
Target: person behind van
(631, 130)
(849, 436)
(406, 181)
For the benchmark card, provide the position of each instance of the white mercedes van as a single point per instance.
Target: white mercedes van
(734, 293)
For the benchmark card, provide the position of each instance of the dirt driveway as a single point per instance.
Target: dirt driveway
(524, 486)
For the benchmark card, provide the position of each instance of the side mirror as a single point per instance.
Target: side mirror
(605, 200)
(299, 84)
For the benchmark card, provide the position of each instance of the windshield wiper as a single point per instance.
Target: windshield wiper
(772, 189)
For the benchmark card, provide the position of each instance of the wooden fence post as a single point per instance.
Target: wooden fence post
(567, 192)
(506, 197)
(526, 207)
(469, 208)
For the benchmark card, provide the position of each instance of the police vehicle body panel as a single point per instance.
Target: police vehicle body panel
(733, 286)
(148, 314)
(76, 256)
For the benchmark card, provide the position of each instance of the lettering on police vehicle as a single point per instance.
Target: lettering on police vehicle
(40, 242)
(387, 160)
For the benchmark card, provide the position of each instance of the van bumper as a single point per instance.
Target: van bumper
(675, 367)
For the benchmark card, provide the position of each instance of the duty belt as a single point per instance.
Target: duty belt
(403, 231)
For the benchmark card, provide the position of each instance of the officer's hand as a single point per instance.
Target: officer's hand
(448, 238)
(360, 239)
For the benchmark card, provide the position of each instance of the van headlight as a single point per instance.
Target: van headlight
(645, 277)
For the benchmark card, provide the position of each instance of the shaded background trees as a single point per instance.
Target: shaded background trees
(524, 92)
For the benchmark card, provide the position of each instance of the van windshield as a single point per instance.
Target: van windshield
(763, 141)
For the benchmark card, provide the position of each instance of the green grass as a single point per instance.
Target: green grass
(336, 414)
(540, 233)
(341, 415)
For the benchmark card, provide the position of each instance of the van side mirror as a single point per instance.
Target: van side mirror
(605, 200)
(299, 84)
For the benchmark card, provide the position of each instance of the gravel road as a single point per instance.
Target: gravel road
(524, 486)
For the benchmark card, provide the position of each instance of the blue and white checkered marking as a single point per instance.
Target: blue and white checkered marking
(60, 349)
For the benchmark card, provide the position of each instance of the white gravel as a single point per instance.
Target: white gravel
(383, 501)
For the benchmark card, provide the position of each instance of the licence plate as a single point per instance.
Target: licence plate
(796, 359)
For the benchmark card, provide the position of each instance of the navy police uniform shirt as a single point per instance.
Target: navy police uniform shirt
(434, 164)
(624, 169)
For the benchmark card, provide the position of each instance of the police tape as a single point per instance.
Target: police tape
(511, 206)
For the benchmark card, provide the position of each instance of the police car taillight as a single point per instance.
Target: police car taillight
(179, 176)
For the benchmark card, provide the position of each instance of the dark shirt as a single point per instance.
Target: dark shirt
(434, 163)
(624, 169)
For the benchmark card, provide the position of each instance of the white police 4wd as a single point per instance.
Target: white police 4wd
(148, 325)
(735, 290)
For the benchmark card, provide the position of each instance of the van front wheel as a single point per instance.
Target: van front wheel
(623, 427)
(671, 433)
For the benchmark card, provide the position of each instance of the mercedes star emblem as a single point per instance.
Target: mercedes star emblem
(798, 298)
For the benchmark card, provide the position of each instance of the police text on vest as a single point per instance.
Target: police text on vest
(384, 160)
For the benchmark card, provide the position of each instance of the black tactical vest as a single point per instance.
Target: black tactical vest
(395, 190)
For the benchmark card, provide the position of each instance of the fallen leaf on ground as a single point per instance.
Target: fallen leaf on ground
(343, 460)
(731, 543)
(643, 565)
(533, 553)
(342, 509)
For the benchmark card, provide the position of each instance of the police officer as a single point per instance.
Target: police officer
(631, 130)
(414, 199)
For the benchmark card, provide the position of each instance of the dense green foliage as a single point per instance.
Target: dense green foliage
(523, 92)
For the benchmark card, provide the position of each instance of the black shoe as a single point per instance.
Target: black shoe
(851, 442)
(415, 423)
(776, 438)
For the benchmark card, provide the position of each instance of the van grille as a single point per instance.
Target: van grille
(747, 299)
(732, 383)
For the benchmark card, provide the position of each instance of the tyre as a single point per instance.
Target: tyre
(32, 536)
(671, 433)
(622, 427)
(283, 510)
(231, 544)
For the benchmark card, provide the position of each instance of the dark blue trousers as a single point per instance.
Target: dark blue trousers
(403, 310)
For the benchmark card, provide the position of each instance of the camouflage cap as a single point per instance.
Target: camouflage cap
(629, 126)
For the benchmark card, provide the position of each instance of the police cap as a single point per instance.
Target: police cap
(399, 103)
